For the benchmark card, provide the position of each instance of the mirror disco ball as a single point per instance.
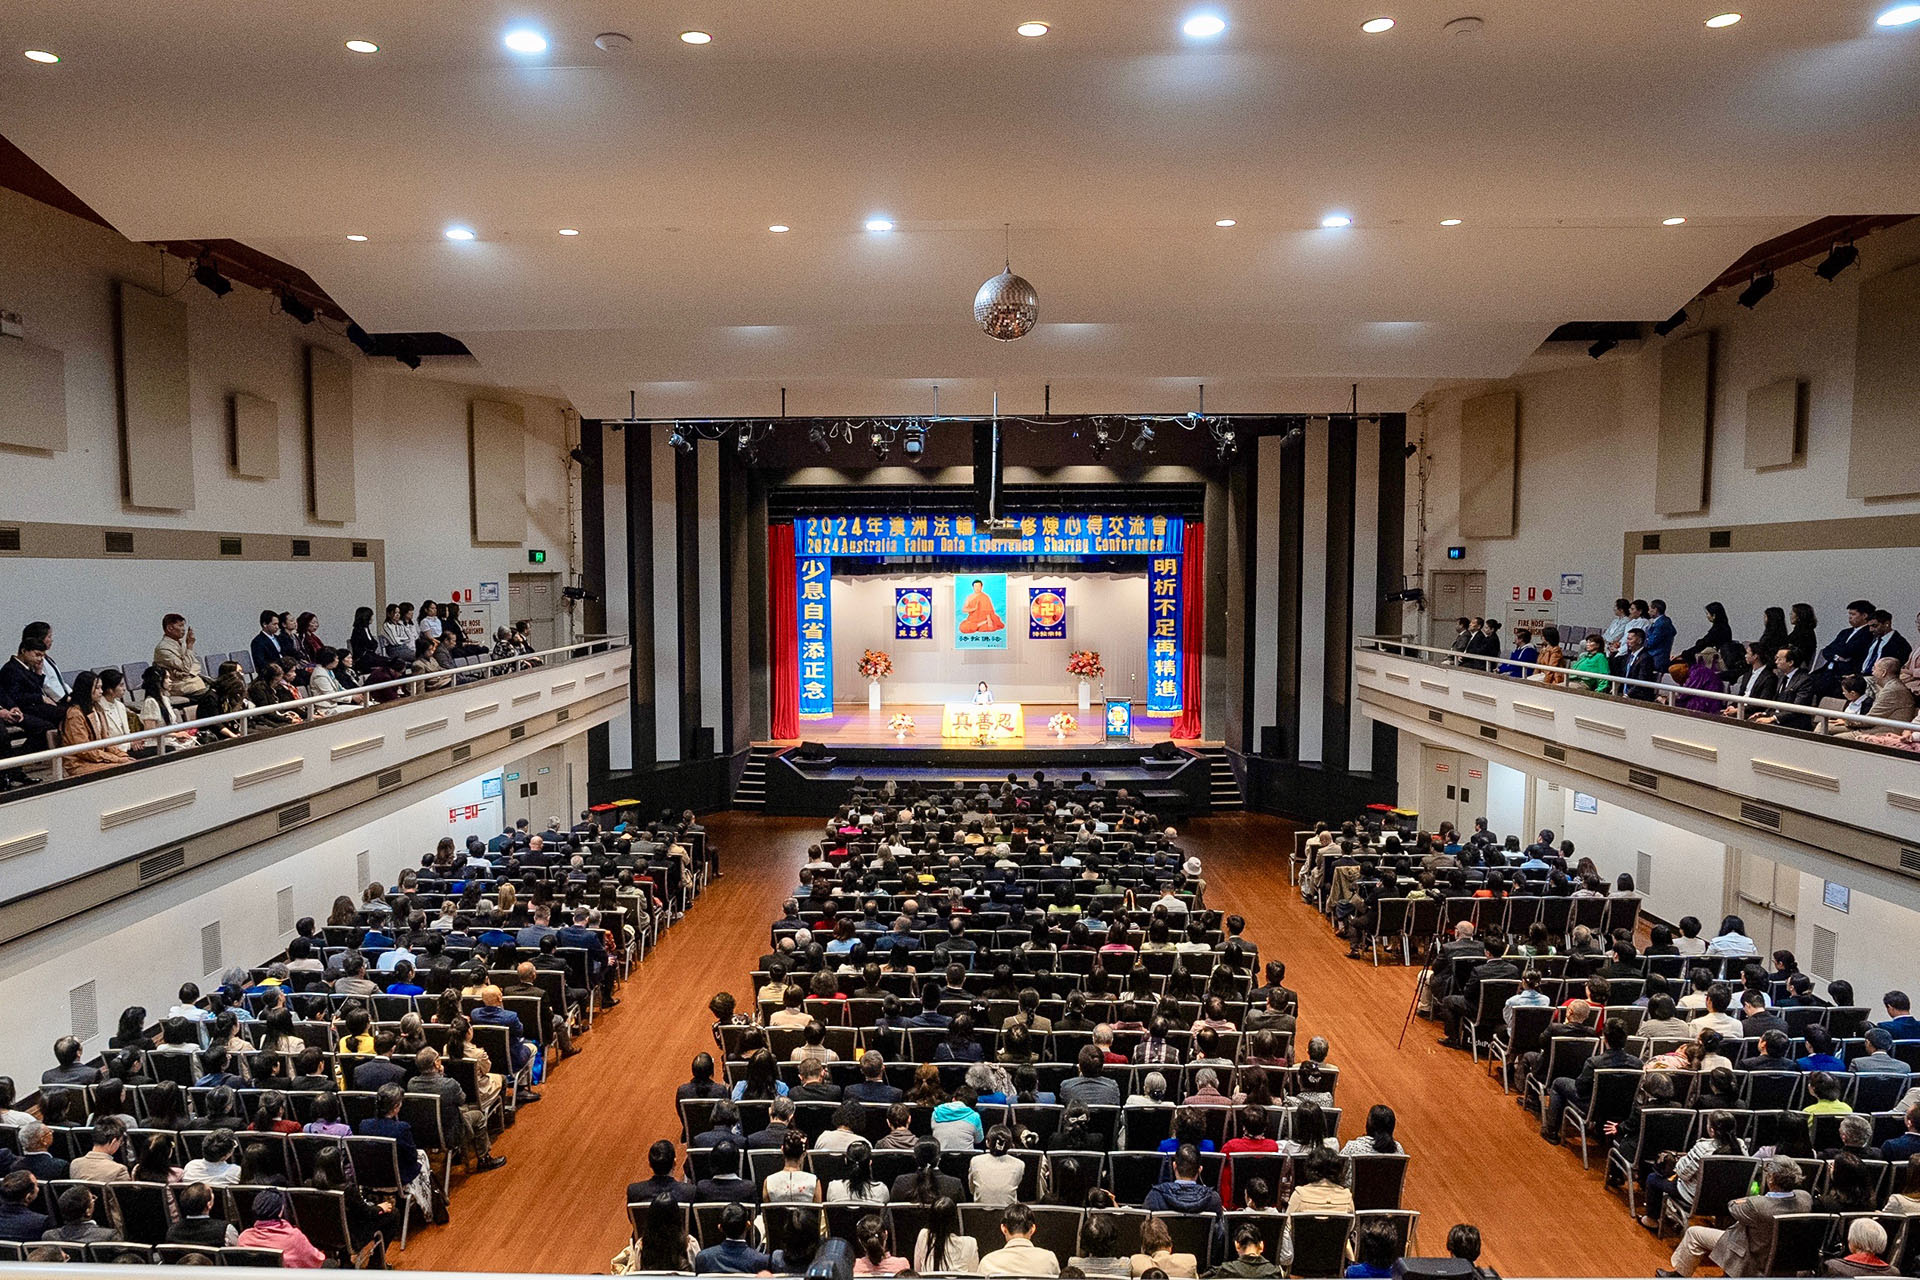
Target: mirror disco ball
(1006, 307)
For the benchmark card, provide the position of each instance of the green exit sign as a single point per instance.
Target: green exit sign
(536, 557)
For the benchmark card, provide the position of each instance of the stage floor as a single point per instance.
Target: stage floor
(864, 728)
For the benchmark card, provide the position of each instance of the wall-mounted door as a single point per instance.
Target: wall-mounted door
(1767, 896)
(1453, 594)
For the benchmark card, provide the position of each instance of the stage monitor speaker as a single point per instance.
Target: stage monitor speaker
(1435, 1269)
(1270, 740)
(1166, 751)
(987, 498)
(811, 751)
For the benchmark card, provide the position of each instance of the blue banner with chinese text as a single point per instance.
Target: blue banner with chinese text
(813, 575)
(1164, 638)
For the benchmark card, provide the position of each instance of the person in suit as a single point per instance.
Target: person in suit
(726, 1184)
(1636, 663)
(77, 1223)
(36, 1156)
(779, 1121)
(1463, 946)
(386, 1123)
(1737, 1249)
(1891, 699)
(1756, 1019)
(24, 701)
(265, 646)
(493, 1014)
(813, 1086)
(1483, 644)
(1885, 642)
(1792, 683)
(1659, 635)
(67, 1068)
(662, 1183)
(1847, 651)
(1466, 1002)
(19, 1221)
(1900, 1023)
(583, 934)
(872, 1085)
(196, 1224)
(1759, 681)
(102, 1163)
(733, 1255)
(461, 1122)
(528, 939)
(1578, 1090)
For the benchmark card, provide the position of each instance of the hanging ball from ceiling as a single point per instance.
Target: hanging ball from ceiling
(1006, 307)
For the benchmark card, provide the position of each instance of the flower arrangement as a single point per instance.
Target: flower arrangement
(1085, 663)
(901, 724)
(1063, 724)
(876, 664)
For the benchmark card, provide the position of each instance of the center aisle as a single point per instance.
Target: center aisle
(559, 1205)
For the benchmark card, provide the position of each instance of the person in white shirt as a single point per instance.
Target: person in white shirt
(430, 619)
(398, 630)
(322, 681)
(1689, 943)
(1732, 939)
(1616, 633)
(215, 1167)
(982, 695)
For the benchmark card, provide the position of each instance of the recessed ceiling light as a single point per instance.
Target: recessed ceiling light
(779, 228)
(879, 224)
(1723, 19)
(525, 40)
(569, 231)
(1671, 222)
(1033, 30)
(357, 239)
(1224, 222)
(1204, 26)
(41, 55)
(1899, 16)
(363, 46)
(458, 233)
(695, 37)
(1449, 222)
(1335, 220)
(1374, 26)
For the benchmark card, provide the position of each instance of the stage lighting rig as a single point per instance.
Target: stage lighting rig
(882, 441)
(1226, 441)
(1672, 322)
(1842, 257)
(209, 277)
(679, 440)
(1762, 286)
(1143, 442)
(294, 307)
(1601, 348)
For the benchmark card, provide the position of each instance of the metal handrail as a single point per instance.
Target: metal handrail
(1454, 659)
(358, 695)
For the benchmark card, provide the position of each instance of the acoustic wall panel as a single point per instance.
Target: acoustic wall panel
(497, 470)
(33, 396)
(155, 418)
(256, 437)
(1773, 424)
(1685, 433)
(1489, 444)
(330, 488)
(1881, 460)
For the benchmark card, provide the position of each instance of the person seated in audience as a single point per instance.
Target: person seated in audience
(1739, 1249)
(959, 1044)
(1099, 1246)
(1638, 662)
(926, 1184)
(792, 1182)
(80, 724)
(1756, 1019)
(1774, 1054)
(1088, 1085)
(1523, 652)
(1019, 1256)
(1825, 1089)
(174, 654)
(1184, 1192)
(1855, 1139)
(1578, 1091)
(1377, 1248)
(733, 1255)
(1866, 1251)
(1249, 1261)
(661, 1182)
(994, 1175)
(1661, 1020)
(196, 1223)
(67, 1068)
(1900, 1022)
(1719, 998)
(215, 1164)
(872, 1085)
(328, 1119)
(78, 1205)
(956, 1124)
(1593, 661)
(780, 1113)
(20, 1198)
(725, 1184)
(1378, 1139)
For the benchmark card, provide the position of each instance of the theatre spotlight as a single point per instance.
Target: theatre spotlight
(209, 276)
(820, 438)
(1842, 257)
(360, 338)
(407, 356)
(913, 441)
(1225, 442)
(578, 454)
(1144, 441)
(1601, 347)
(1762, 286)
(1672, 322)
(882, 444)
(294, 307)
(679, 440)
(1101, 441)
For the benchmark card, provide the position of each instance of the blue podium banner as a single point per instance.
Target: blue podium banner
(1119, 718)
(1084, 534)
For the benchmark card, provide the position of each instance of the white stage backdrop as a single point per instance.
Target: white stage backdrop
(1105, 611)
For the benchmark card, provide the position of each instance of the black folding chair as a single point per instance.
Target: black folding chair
(1320, 1244)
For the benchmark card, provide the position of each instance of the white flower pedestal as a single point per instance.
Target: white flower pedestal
(1086, 695)
(873, 695)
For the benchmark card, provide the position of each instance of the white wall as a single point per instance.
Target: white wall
(1862, 955)
(1689, 870)
(1587, 433)
(1105, 611)
(139, 950)
(410, 451)
(1506, 804)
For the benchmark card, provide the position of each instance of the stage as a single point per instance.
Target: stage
(859, 727)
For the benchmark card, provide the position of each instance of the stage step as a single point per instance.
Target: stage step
(1224, 792)
(752, 791)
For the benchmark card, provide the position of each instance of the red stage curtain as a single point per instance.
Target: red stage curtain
(1192, 610)
(783, 623)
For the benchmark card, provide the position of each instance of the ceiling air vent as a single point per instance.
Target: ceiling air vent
(1641, 778)
(302, 547)
(211, 959)
(463, 753)
(359, 551)
(283, 909)
(1436, 716)
(516, 733)
(1643, 872)
(295, 814)
(1555, 753)
(1760, 816)
(229, 546)
(1826, 951)
(83, 1011)
(1720, 540)
(391, 778)
(1910, 860)
(119, 542)
(9, 539)
(1488, 731)
(1649, 542)
(162, 864)
(563, 715)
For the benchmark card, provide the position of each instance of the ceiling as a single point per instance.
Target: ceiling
(1561, 134)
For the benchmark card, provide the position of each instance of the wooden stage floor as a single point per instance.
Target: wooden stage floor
(859, 727)
(559, 1204)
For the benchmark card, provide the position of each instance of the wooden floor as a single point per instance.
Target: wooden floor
(559, 1204)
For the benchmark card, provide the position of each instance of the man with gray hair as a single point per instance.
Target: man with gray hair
(1741, 1250)
(1856, 1135)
